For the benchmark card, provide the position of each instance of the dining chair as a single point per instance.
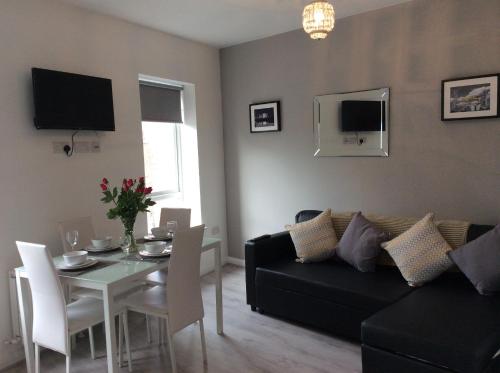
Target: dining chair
(179, 303)
(181, 215)
(183, 218)
(54, 322)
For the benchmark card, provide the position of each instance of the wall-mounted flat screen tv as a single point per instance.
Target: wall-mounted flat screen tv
(71, 101)
(362, 116)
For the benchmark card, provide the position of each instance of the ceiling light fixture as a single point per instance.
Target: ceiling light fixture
(318, 19)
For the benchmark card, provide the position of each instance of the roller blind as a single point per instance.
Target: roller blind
(160, 103)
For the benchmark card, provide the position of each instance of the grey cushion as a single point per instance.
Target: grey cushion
(479, 260)
(360, 243)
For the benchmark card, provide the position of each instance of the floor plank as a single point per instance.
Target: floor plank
(252, 342)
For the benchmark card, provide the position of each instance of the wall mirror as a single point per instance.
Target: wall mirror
(352, 124)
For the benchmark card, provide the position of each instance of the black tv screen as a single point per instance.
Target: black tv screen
(72, 101)
(361, 116)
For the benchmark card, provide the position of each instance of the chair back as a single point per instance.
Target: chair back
(181, 215)
(85, 232)
(184, 301)
(50, 324)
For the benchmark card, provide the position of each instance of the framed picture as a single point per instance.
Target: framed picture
(473, 97)
(265, 117)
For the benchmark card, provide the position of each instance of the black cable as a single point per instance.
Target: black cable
(69, 152)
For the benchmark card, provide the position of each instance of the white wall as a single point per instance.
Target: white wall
(39, 188)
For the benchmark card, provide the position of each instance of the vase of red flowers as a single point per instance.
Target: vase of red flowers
(132, 198)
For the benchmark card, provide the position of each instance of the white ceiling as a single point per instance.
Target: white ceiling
(222, 23)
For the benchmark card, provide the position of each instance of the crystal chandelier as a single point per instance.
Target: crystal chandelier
(318, 19)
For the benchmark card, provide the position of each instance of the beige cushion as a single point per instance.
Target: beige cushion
(420, 252)
(340, 222)
(315, 239)
(453, 231)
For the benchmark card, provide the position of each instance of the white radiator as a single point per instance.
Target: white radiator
(14, 308)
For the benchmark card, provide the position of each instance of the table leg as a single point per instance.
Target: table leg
(109, 325)
(218, 289)
(25, 325)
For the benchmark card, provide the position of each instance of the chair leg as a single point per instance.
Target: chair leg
(148, 329)
(171, 348)
(120, 339)
(37, 358)
(68, 362)
(127, 339)
(203, 343)
(92, 346)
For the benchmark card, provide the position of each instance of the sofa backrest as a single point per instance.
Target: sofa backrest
(455, 232)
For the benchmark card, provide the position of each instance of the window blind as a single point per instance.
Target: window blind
(160, 103)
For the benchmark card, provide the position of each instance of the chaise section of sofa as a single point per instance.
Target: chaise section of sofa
(444, 326)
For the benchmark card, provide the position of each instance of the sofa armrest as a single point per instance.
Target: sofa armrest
(264, 250)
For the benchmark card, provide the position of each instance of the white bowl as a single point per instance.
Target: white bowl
(102, 243)
(155, 247)
(159, 232)
(74, 258)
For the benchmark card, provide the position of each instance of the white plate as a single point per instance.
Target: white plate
(92, 249)
(165, 252)
(88, 263)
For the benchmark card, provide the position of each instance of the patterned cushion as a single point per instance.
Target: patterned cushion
(453, 231)
(315, 239)
(341, 221)
(420, 252)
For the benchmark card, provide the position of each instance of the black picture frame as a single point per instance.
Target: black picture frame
(265, 117)
(487, 98)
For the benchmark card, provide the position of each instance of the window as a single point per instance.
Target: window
(161, 111)
(162, 158)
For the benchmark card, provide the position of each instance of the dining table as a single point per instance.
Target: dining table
(117, 273)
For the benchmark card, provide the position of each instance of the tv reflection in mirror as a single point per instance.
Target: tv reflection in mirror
(362, 116)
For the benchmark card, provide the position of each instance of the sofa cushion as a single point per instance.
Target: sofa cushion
(479, 260)
(446, 323)
(315, 239)
(360, 244)
(337, 282)
(420, 252)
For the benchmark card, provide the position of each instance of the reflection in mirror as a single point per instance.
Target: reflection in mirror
(352, 124)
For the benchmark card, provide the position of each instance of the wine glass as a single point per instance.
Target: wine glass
(171, 228)
(72, 239)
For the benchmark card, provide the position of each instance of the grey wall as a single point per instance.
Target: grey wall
(450, 168)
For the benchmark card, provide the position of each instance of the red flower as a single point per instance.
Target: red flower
(141, 180)
(104, 187)
(140, 189)
(105, 181)
(130, 182)
(148, 190)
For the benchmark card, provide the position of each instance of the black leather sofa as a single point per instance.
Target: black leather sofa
(444, 326)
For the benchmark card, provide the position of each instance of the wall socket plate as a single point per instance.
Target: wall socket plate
(79, 146)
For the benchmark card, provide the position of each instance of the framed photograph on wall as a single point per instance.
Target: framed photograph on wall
(472, 97)
(265, 117)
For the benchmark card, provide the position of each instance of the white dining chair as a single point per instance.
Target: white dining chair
(54, 322)
(181, 215)
(183, 218)
(179, 303)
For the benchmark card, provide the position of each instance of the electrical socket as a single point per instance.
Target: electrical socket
(58, 147)
(81, 147)
(95, 147)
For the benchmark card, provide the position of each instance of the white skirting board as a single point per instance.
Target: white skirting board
(235, 261)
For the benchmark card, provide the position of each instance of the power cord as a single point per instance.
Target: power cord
(70, 149)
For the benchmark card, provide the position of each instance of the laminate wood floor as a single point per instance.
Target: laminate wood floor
(251, 343)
